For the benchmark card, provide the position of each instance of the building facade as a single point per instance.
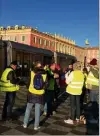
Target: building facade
(91, 52)
(33, 37)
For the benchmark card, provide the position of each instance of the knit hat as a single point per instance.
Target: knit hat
(93, 62)
(14, 63)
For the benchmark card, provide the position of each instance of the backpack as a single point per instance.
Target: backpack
(38, 82)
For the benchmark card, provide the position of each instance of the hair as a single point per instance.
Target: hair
(36, 63)
(77, 66)
(52, 64)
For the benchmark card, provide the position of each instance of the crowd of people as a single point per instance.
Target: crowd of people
(45, 84)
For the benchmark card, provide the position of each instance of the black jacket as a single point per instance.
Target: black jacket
(12, 77)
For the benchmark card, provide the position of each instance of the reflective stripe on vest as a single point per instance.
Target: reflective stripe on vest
(32, 89)
(5, 84)
(92, 80)
(76, 85)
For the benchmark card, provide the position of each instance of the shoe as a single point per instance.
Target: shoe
(78, 120)
(44, 114)
(69, 121)
(36, 128)
(54, 112)
(24, 126)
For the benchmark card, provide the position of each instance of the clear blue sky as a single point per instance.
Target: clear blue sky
(76, 19)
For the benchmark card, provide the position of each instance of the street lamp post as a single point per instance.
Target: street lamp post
(55, 53)
(85, 58)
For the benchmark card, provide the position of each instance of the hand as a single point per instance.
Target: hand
(56, 75)
(19, 78)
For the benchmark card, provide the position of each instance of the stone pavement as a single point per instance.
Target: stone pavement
(53, 125)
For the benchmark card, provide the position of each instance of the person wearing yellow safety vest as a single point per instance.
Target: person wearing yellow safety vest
(8, 84)
(35, 94)
(92, 81)
(75, 83)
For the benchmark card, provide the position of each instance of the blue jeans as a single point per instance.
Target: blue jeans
(37, 114)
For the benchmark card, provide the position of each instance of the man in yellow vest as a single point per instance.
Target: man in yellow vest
(92, 81)
(75, 83)
(8, 84)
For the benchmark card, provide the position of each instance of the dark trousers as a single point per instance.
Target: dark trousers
(75, 106)
(56, 92)
(94, 96)
(8, 105)
(49, 97)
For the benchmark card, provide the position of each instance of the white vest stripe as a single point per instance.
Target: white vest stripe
(75, 87)
(77, 83)
(94, 80)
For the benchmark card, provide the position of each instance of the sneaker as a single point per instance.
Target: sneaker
(54, 112)
(24, 126)
(44, 114)
(36, 128)
(78, 120)
(69, 121)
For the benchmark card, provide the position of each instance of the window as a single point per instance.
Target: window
(49, 43)
(45, 42)
(34, 39)
(68, 50)
(15, 38)
(8, 38)
(40, 41)
(64, 50)
(53, 44)
(57, 47)
(23, 38)
(60, 48)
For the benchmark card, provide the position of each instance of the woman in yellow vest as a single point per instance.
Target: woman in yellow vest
(75, 83)
(35, 94)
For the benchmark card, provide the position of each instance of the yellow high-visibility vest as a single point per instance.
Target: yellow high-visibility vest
(31, 87)
(6, 85)
(91, 80)
(76, 85)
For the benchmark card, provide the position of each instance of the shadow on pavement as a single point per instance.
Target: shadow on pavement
(18, 112)
(91, 112)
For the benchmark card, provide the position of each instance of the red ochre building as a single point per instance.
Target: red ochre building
(33, 37)
(92, 52)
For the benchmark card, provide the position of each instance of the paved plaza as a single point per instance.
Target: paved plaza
(53, 125)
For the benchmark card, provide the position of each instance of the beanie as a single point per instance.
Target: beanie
(93, 62)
